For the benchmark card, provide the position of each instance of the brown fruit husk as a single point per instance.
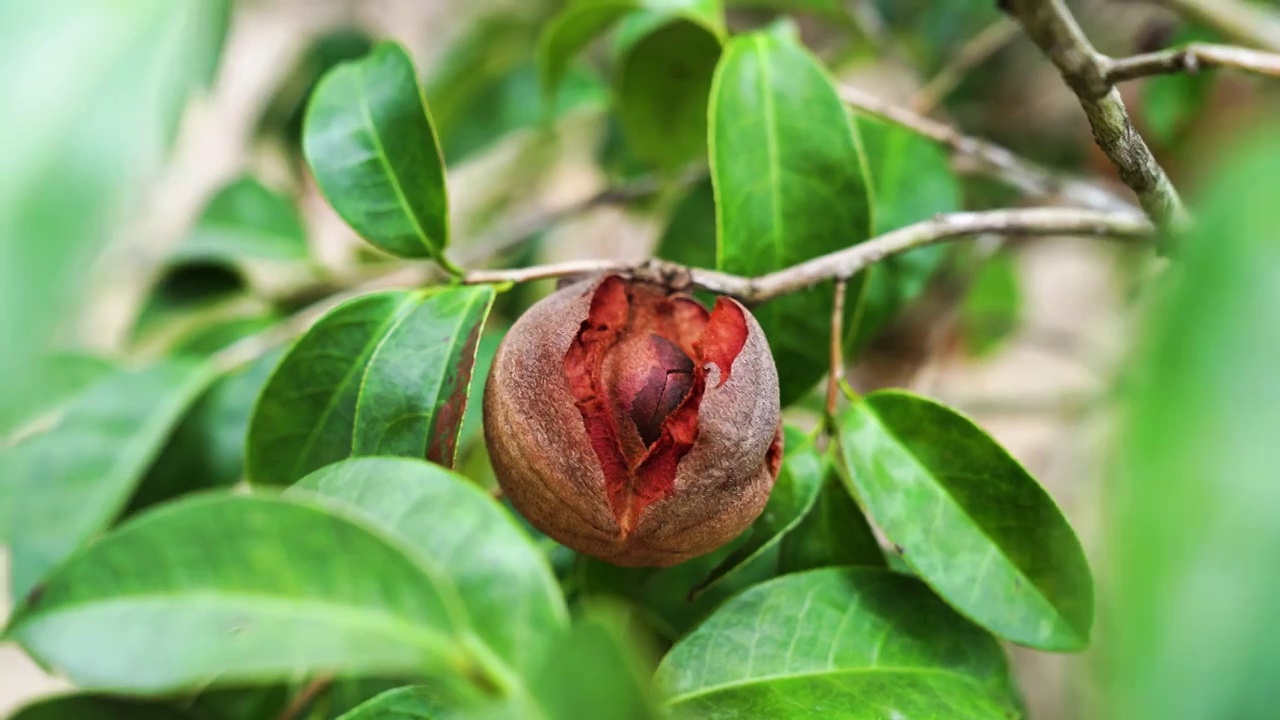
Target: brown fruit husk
(536, 422)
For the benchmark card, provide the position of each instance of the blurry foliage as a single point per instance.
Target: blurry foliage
(141, 569)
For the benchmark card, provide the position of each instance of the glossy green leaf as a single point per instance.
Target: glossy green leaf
(969, 519)
(992, 306)
(240, 589)
(503, 579)
(790, 186)
(407, 703)
(583, 20)
(246, 220)
(792, 497)
(70, 482)
(383, 374)
(833, 532)
(832, 624)
(853, 695)
(1192, 506)
(912, 181)
(60, 377)
(207, 449)
(370, 143)
(663, 80)
(87, 118)
(99, 707)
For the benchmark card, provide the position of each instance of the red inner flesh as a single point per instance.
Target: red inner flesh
(637, 370)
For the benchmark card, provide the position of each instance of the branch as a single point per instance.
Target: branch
(1190, 59)
(843, 264)
(996, 161)
(972, 54)
(1240, 21)
(1051, 27)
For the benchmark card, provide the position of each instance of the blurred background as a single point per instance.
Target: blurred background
(1028, 338)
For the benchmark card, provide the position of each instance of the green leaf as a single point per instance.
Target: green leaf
(583, 20)
(60, 377)
(70, 482)
(241, 589)
(207, 449)
(913, 181)
(834, 532)
(504, 581)
(370, 143)
(207, 339)
(793, 495)
(473, 420)
(383, 374)
(989, 313)
(969, 520)
(1192, 506)
(598, 672)
(246, 220)
(840, 626)
(664, 71)
(690, 235)
(663, 597)
(1170, 102)
(92, 92)
(790, 186)
(183, 293)
(406, 703)
(819, 7)
(98, 707)
(853, 695)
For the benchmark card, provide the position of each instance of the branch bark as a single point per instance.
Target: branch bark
(997, 161)
(1190, 59)
(843, 264)
(1050, 25)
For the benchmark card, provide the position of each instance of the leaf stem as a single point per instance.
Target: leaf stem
(836, 375)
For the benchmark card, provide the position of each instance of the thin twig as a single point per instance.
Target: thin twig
(996, 161)
(845, 263)
(972, 54)
(837, 347)
(305, 697)
(1244, 22)
(1190, 59)
(1050, 25)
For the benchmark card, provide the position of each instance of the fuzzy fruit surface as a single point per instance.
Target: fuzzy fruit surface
(632, 424)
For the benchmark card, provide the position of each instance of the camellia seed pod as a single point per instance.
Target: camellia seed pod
(630, 424)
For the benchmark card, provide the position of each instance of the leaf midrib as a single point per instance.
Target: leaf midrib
(942, 488)
(361, 363)
(392, 178)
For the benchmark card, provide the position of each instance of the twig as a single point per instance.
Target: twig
(1049, 24)
(837, 347)
(305, 697)
(1243, 22)
(846, 263)
(507, 236)
(996, 161)
(972, 54)
(1190, 59)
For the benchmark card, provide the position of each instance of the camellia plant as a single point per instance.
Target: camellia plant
(430, 485)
